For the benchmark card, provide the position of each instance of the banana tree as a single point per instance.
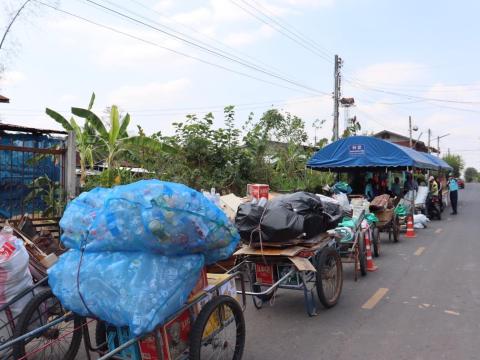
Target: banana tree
(50, 193)
(85, 138)
(114, 138)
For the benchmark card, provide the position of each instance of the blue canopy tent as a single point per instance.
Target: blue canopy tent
(440, 162)
(365, 152)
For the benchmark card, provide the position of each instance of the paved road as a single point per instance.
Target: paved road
(431, 309)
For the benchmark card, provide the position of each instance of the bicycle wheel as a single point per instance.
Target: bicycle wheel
(219, 331)
(329, 277)
(362, 255)
(376, 241)
(59, 342)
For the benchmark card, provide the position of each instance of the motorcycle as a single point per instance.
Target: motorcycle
(434, 208)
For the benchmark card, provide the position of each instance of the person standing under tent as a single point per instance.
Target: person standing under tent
(369, 192)
(453, 188)
(395, 187)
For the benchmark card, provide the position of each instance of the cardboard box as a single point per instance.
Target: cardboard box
(201, 284)
(172, 339)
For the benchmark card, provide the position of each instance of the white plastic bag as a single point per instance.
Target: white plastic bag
(343, 201)
(14, 277)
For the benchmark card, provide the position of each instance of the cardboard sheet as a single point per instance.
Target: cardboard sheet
(302, 264)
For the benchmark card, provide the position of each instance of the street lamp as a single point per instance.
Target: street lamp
(438, 143)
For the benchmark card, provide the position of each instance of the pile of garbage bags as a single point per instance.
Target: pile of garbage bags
(137, 251)
(285, 218)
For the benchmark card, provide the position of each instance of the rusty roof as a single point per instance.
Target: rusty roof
(18, 128)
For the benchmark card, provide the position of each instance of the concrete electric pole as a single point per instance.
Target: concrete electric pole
(410, 130)
(429, 137)
(336, 97)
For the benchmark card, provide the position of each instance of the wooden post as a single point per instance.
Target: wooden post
(70, 167)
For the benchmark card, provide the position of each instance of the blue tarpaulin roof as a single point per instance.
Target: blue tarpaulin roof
(368, 152)
(440, 162)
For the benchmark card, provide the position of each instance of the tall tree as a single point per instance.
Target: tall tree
(471, 174)
(456, 162)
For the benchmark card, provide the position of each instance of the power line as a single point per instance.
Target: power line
(204, 48)
(170, 18)
(410, 96)
(175, 51)
(286, 34)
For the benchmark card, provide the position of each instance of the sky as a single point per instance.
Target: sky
(400, 59)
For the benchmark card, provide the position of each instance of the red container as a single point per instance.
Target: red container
(258, 191)
(264, 274)
(174, 339)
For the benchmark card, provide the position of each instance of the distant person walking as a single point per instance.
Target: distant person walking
(453, 187)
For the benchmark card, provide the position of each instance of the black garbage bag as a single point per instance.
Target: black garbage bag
(284, 218)
(279, 223)
(311, 208)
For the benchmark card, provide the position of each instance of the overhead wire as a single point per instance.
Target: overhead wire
(124, 33)
(204, 48)
(279, 29)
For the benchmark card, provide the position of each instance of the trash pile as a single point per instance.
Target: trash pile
(285, 218)
(137, 251)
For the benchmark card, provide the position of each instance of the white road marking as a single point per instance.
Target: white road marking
(451, 312)
(419, 251)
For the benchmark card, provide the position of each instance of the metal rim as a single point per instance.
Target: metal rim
(330, 275)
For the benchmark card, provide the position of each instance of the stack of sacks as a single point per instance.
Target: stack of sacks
(420, 221)
(144, 247)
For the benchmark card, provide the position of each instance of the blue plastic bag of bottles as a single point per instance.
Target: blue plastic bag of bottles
(137, 251)
(149, 215)
(125, 288)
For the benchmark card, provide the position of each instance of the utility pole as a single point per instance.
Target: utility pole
(429, 136)
(438, 143)
(410, 130)
(336, 97)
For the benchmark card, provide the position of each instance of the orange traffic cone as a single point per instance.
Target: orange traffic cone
(370, 264)
(410, 230)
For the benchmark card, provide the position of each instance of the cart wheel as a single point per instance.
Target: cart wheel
(396, 229)
(329, 277)
(376, 241)
(260, 299)
(362, 255)
(60, 342)
(219, 331)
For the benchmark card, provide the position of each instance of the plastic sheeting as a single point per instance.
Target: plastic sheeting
(137, 251)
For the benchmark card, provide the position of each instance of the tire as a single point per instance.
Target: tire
(376, 241)
(362, 256)
(259, 299)
(203, 323)
(329, 264)
(396, 229)
(50, 307)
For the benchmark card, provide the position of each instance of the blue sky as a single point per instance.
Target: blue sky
(400, 59)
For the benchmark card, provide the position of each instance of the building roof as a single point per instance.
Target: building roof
(404, 141)
(4, 99)
(18, 128)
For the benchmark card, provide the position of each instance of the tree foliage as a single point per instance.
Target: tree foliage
(456, 162)
(471, 175)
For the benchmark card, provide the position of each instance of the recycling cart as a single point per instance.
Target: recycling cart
(351, 243)
(388, 222)
(210, 326)
(302, 265)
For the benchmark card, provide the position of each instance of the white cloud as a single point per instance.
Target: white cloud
(163, 5)
(391, 73)
(311, 3)
(151, 94)
(247, 37)
(12, 78)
